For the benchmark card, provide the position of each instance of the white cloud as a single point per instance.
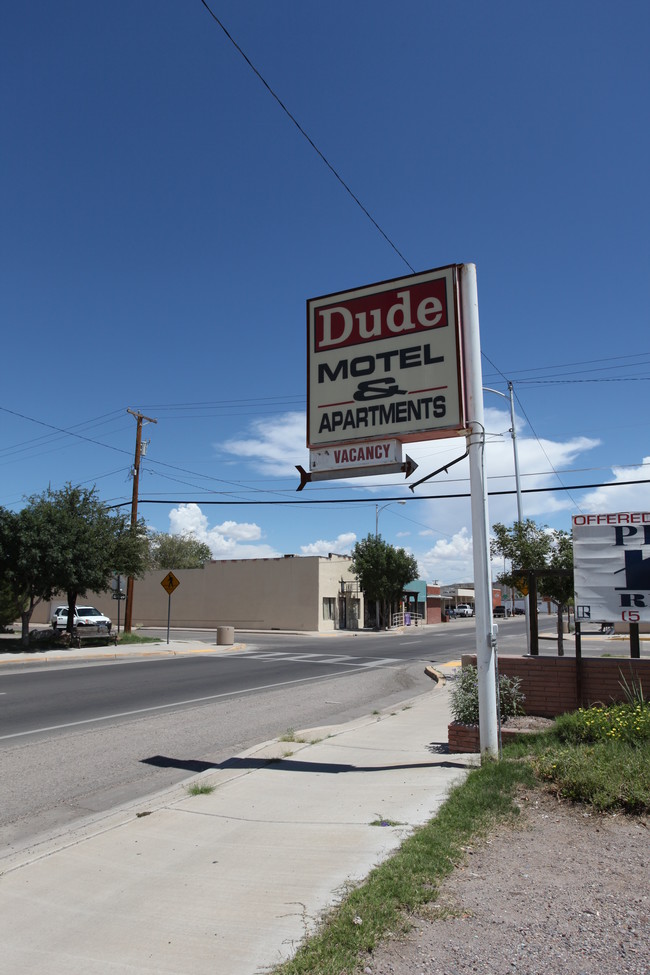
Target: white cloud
(230, 540)
(449, 560)
(275, 446)
(341, 545)
(626, 497)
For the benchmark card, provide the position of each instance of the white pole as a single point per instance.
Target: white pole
(485, 649)
(520, 516)
(377, 510)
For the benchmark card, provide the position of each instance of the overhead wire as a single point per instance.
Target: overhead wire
(418, 497)
(308, 138)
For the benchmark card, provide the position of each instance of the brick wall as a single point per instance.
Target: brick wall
(550, 687)
(464, 738)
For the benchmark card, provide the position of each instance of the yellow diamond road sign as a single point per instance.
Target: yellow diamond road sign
(170, 582)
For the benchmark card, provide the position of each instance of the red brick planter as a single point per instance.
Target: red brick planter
(465, 737)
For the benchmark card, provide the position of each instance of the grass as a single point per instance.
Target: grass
(136, 638)
(199, 789)
(410, 879)
(12, 644)
(598, 756)
(290, 735)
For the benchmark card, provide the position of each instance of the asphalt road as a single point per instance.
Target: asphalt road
(78, 739)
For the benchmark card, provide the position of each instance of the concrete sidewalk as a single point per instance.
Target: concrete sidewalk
(230, 881)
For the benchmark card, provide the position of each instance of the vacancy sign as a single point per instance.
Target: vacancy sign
(348, 456)
(384, 362)
(611, 566)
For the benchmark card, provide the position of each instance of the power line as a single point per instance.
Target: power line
(416, 497)
(541, 446)
(306, 136)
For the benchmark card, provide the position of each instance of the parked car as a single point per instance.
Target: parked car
(83, 616)
(500, 612)
(464, 609)
(519, 611)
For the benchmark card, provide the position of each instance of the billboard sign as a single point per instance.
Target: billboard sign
(384, 361)
(611, 566)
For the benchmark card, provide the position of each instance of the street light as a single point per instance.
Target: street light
(377, 511)
(513, 434)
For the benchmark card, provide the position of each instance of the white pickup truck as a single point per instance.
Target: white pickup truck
(464, 609)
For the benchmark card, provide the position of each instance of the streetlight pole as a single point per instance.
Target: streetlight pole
(377, 512)
(520, 517)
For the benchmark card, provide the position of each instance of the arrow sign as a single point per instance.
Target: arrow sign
(169, 583)
(406, 468)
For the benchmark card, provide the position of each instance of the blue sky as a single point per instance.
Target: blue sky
(164, 222)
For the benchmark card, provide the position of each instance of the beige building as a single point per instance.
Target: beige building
(291, 593)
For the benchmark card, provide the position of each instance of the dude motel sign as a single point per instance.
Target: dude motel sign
(384, 367)
(611, 567)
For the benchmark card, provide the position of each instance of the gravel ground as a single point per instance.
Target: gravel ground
(563, 892)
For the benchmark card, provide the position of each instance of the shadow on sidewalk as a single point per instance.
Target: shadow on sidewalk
(286, 765)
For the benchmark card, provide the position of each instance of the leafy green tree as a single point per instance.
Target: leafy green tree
(525, 545)
(530, 546)
(26, 554)
(67, 541)
(91, 542)
(383, 571)
(177, 551)
(10, 607)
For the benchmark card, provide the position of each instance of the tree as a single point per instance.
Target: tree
(530, 546)
(67, 541)
(177, 551)
(26, 555)
(9, 606)
(383, 571)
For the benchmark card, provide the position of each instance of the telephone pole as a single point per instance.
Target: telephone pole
(140, 418)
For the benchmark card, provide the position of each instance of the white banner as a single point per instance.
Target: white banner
(611, 564)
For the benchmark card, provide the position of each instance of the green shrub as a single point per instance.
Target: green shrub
(618, 722)
(608, 774)
(464, 696)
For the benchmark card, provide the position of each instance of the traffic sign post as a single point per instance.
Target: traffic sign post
(119, 594)
(169, 584)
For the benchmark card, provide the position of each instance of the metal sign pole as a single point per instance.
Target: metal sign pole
(485, 634)
(169, 613)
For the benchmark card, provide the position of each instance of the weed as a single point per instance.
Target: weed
(383, 821)
(200, 789)
(633, 690)
(290, 735)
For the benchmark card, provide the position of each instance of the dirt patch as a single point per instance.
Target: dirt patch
(527, 722)
(563, 891)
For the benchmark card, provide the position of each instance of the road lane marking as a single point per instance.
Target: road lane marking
(178, 704)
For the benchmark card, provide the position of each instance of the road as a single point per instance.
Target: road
(76, 740)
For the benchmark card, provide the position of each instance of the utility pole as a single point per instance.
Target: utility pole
(140, 418)
(520, 517)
